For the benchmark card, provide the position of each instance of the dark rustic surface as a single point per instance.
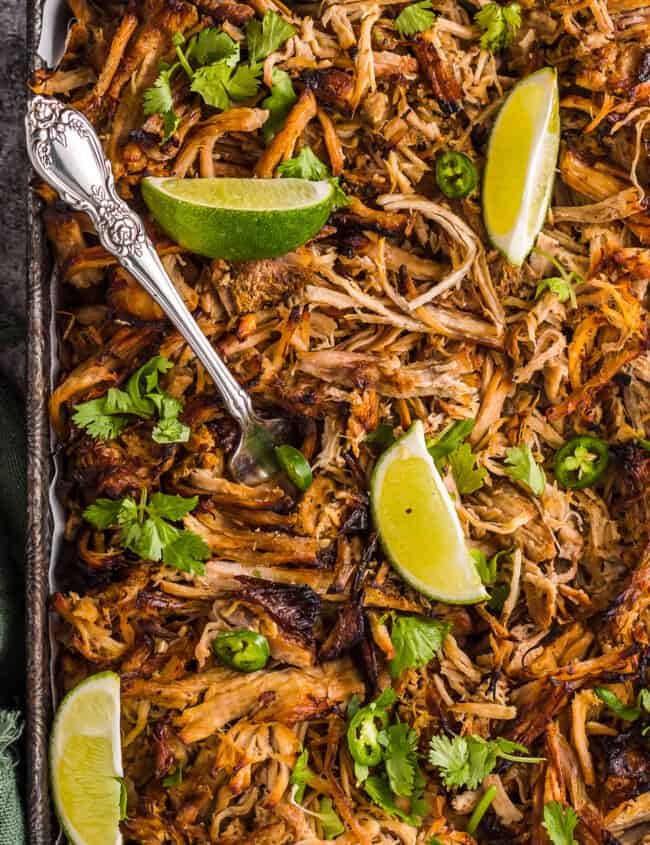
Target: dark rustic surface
(13, 182)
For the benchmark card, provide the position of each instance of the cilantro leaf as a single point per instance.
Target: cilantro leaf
(117, 402)
(416, 641)
(498, 597)
(628, 713)
(187, 553)
(210, 82)
(266, 36)
(451, 756)
(104, 513)
(300, 776)
(499, 25)
(468, 477)
(166, 406)
(644, 700)
(159, 97)
(156, 535)
(159, 100)
(170, 124)
(93, 417)
(170, 430)
(339, 199)
(382, 437)
(523, 467)
(106, 417)
(244, 82)
(400, 757)
(415, 18)
(329, 819)
(561, 287)
(387, 698)
(279, 103)
(487, 572)
(306, 165)
(212, 45)
(378, 789)
(171, 507)
(560, 823)
(146, 532)
(128, 512)
(465, 760)
(450, 439)
(487, 569)
(175, 779)
(145, 381)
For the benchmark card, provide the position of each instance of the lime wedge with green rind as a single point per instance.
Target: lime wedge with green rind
(418, 525)
(521, 162)
(86, 761)
(239, 219)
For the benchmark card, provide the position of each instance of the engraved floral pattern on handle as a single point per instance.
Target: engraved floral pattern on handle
(50, 122)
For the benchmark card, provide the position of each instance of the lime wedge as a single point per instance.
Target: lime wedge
(239, 219)
(520, 167)
(86, 760)
(418, 525)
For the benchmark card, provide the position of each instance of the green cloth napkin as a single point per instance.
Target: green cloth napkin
(13, 524)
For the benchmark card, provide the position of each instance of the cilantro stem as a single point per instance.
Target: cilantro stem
(184, 62)
(481, 808)
(142, 507)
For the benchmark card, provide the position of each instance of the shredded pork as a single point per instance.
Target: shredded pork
(399, 310)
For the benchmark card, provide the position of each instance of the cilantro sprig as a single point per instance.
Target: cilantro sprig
(488, 570)
(307, 165)
(279, 103)
(416, 641)
(498, 24)
(560, 823)
(522, 466)
(266, 36)
(146, 529)
(450, 448)
(416, 17)
(468, 476)
(627, 712)
(393, 771)
(329, 819)
(299, 780)
(211, 62)
(104, 418)
(463, 761)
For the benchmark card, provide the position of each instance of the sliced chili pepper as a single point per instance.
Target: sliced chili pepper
(243, 650)
(296, 466)
(581, 462)
(455, 175)
(363, 735)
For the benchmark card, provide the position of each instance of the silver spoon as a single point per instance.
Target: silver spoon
(66, 152)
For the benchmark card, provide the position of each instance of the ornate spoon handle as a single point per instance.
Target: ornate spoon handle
(66, 152)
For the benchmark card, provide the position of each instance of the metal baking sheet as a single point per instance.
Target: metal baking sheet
(41, 829)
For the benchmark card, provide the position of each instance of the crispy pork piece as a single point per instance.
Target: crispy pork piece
(289, 615)
(288, 695)
(254, 284)
(440, 76)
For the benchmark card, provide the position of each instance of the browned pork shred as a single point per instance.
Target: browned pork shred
(399, 310)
